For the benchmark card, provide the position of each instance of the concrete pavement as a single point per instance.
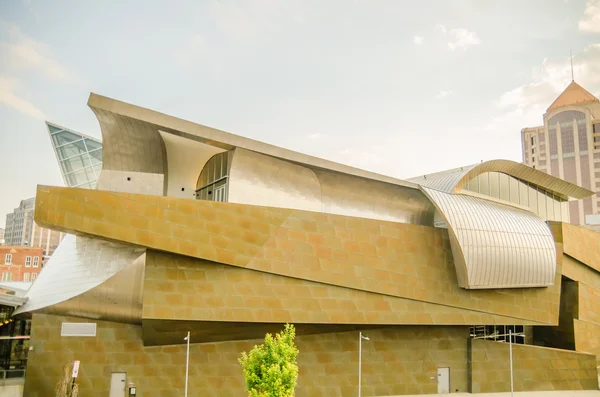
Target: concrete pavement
(566, 393)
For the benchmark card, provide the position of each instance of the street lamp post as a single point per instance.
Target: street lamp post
(510, 357)
(187, 362)
(512, 391)
(360, 339)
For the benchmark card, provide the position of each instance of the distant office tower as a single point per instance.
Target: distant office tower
(568, 146)
(18, 223)
(79, 156)
(21, 230)
(1, 236)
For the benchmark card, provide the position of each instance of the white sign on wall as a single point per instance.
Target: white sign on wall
(75, 369)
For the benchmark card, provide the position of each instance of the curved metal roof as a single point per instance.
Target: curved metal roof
(452, 181)
(496, 245)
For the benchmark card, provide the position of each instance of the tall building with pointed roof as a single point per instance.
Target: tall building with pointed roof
(568, 146)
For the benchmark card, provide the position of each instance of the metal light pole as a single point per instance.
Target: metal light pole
(512, 391)
(187, 362)
(360, 339)
(510, 336)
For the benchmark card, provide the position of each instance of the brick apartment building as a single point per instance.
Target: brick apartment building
(20, 263)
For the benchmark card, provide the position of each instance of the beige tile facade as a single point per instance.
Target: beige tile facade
(229, 272)
(579, 325)
(184, 288)
(399, 360)
(534, 368)
(402, 260)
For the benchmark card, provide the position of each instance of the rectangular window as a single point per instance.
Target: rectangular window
(36, 261)
(25, 276)
(532, 150)
(8, 259)
(532, 140)
(6, 276)
(33, 276)
(27, 261)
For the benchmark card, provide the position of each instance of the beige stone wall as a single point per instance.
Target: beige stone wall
(400, 360)
(403, 260)
(534, 368)
(587, 338)
(183, 288)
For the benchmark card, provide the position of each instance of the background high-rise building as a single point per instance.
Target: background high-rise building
(19, 223)
(1, 236)
(568, 146)
(21, 230)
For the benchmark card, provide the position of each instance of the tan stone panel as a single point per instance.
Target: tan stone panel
(587, 338)
(535, 368)
(416, 262)
(582, 244)
(395, 360)
(589, 304)
(578, 271)
(184, 288)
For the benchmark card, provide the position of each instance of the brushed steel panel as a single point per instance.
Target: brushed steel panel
(80, 265)
(352, 196)
(496, 245)
(145, 122)
(131, 145)
(258, 179)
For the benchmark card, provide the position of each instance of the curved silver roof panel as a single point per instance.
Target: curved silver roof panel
(452, 181)
(496, 245)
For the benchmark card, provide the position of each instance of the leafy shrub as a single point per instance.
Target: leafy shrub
(270, 369)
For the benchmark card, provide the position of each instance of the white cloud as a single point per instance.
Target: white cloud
(10, 99)
(459, 37)
(314, 137)
(525, 105)
(443, 94)
(591, 17)
(462, 38)
(22, 52)
(418, 40)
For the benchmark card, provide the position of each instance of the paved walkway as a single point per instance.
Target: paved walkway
(580, 393)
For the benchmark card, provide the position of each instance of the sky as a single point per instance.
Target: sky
(402, 88)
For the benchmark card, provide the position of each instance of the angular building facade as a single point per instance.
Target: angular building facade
(79, 156)
(568, 146)
(195, 229)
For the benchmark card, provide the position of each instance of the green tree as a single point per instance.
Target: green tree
(270, 369)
